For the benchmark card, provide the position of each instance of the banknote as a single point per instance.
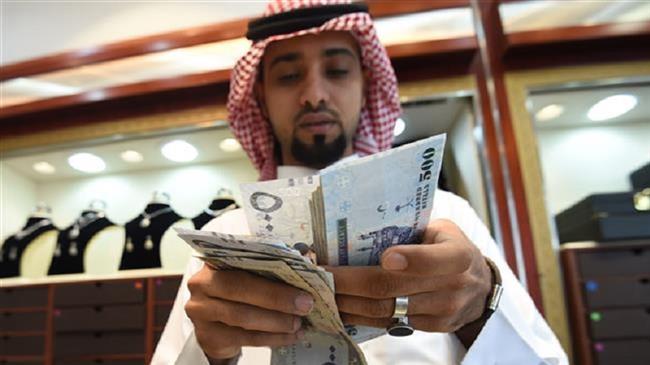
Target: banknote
(326, 336)
(372, 203)
(279, 209)
(349, 214)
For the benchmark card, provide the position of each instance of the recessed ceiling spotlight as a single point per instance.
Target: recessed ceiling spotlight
(400, 126)
(44, 168)
(131, 156)
(549, 112)
(230, 145)
(86, 162)
(612, 107)
(179, 151)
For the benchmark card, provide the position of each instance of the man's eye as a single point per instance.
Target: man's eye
(288, 77)
(337, 72)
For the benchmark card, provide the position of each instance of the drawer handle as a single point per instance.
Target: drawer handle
(99, 308)
(644, 281)
(637, 251)
(98, 284)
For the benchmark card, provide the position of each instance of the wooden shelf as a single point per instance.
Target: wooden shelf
(22, 310)
(22, 334)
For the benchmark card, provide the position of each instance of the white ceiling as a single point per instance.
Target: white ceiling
(576, 103)
(205, 141)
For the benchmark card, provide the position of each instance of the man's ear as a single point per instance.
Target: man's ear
(258, 89)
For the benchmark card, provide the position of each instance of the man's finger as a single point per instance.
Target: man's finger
(242, 315)
(422, 323)
(243, 287)
(375, 282)
(439, 303)
(218, 340)
(428, 259)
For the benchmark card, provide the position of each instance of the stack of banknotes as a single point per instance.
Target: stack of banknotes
(348, 214)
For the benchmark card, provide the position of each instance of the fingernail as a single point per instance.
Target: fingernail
(304, 303)
(297, 322)
(394, 261)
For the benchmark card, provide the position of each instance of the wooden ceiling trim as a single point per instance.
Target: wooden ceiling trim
(117, 92)
(134, 47)
(577, 33)
(402, 51)
(187, 37)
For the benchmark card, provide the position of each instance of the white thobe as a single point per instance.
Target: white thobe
(516, 334)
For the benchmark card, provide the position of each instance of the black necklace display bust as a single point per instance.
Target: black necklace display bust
(72, 242)
(15, 245)
(143, 236)
(216, 208)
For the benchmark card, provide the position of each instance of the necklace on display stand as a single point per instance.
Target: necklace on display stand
(145, 223)
(216, 213)
(78, 225)
(13, 252)
(147, 217)
(31, 229)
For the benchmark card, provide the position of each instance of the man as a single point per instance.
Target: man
(317, 87)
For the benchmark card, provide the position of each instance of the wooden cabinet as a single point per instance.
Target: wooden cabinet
(608, 287)
(116, 321)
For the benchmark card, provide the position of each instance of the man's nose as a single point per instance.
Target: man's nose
(314, 91)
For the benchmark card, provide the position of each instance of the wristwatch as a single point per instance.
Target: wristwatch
(497, 289)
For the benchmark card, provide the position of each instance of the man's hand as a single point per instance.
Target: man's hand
(446, 279)
(231, 309)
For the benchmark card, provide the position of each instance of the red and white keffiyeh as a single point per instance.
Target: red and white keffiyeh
(378, 116)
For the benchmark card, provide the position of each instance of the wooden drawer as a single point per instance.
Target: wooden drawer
(99, 293)
(161, 315)
(100, 318)
(616, 262)
(22, 321)
(22, 345)
(166, 288)
(628, 352)
(617, 293)
(23, 297)
(99, 343)
(19, 362)
(620, 323)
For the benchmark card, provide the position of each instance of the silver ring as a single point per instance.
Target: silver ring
(401, 328)
(401, 307)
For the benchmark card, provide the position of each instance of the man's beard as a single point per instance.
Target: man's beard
(319, 154)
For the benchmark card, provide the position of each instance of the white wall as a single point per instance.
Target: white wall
(466, 156)
(192, 188)
(17, 199)
(38, 28)
(577, 162)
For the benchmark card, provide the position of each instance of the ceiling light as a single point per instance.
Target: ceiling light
(131, 156)
(611, 107)
(44, 168)
(400, 126)
(549, 112)
(179, 151)
(86, 162)
(229, 145)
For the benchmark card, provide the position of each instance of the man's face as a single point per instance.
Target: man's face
(312, 91)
